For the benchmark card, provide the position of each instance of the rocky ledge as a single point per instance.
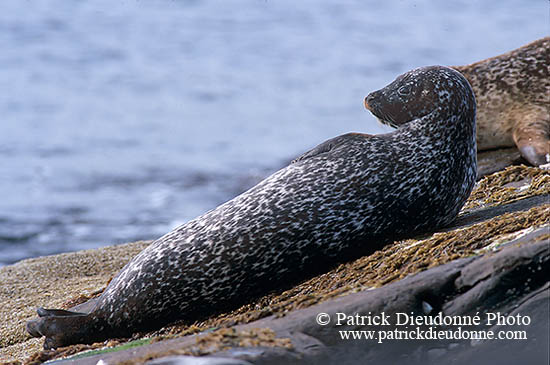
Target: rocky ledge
(486, 274)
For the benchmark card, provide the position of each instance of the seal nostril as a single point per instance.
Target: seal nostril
(369, 100)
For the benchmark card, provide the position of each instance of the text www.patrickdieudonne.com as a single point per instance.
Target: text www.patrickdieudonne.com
(439, 327)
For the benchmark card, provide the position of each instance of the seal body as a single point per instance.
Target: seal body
(344, 198)
(513, 100)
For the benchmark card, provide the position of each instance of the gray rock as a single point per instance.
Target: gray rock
(194, 360)
(493, 161)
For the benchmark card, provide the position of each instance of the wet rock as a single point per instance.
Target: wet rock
(489, 162)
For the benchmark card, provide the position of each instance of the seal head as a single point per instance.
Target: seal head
(420, 92)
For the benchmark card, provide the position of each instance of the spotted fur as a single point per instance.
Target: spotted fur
(344, 198)
(513, 100)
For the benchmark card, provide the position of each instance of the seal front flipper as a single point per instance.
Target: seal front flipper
(533, 140)
(330, 145)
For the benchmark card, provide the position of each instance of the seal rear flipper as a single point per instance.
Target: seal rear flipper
(533, 141)
(65, 329)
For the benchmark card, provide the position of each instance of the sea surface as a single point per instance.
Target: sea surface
(123, 119)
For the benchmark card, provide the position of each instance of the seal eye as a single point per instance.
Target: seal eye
(404, 90)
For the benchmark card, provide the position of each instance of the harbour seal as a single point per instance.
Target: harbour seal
(513, 97)
(344, 198)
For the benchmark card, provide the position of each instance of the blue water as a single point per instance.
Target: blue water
(123, 119)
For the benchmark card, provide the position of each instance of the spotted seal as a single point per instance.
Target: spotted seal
(342, 199)
(513, 96)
